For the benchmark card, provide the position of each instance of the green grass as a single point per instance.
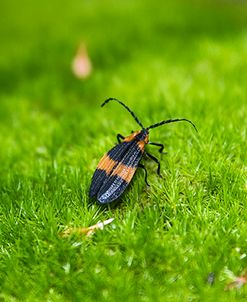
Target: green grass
(164, 60)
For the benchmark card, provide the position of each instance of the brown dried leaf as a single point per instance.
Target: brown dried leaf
(86, 231)
(238, 282)
(81, 64)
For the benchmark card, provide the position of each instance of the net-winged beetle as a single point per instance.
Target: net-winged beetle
(117, 167)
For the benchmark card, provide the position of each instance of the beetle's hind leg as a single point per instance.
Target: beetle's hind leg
(155, 160)
(120, 137)
(146, 173)
(161, 146)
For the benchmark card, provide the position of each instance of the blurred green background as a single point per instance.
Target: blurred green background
(164, 59)
(39, 40)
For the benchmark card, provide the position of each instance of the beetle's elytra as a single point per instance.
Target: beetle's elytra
(117, 167)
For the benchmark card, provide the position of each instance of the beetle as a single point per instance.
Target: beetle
(118, 166)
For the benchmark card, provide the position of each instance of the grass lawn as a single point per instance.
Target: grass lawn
(165, 59)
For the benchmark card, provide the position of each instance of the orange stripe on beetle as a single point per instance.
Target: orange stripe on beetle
(107, 164)
(125, 172)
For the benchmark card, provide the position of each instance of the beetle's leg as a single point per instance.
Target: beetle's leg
(158, 145)
(146, 174)
(156, 160)
(119, 137)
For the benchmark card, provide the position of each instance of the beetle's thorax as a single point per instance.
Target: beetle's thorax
(140, 137)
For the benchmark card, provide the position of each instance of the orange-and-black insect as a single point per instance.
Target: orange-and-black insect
(117, 167)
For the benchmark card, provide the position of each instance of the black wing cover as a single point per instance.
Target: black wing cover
(114, 171)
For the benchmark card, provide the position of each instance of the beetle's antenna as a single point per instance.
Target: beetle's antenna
(126, 107)
(171, 121)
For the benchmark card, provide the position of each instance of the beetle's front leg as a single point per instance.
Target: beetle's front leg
(146, 173)
(158, 145)
(155, 160)
(120, 137)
